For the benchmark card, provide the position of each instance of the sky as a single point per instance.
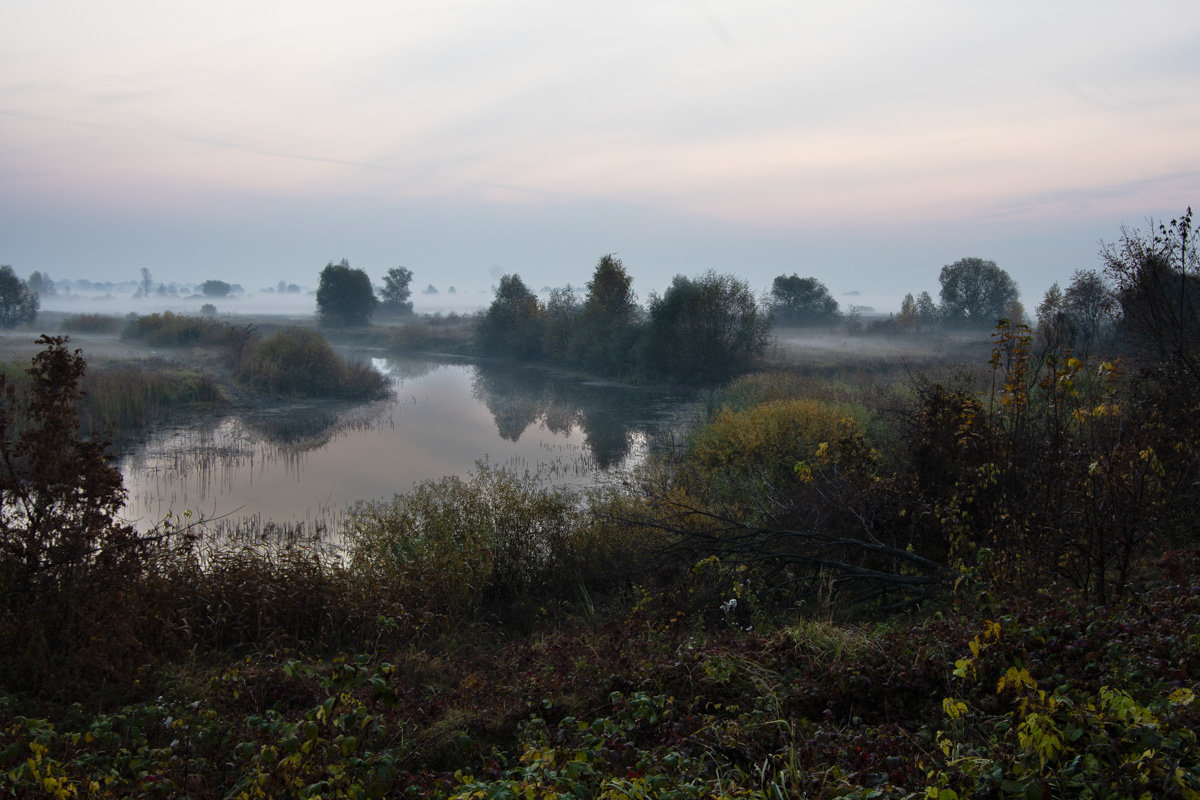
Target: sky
(863, 143)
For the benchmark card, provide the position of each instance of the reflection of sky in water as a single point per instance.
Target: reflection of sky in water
(441, 422)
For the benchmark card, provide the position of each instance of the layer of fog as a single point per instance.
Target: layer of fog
(123, 300)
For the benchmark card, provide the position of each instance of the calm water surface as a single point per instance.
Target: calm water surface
(309, 462)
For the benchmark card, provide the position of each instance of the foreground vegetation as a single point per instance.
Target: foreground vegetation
(981, 584)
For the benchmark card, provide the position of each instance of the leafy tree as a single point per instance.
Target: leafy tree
(41, 284)
(908, 319)
(1087, 307)
(396, 290)
(215, 288)
(65, 558)
(927, 310)
(513, 323)
(606, 329)
(976, 292)
(802, 301)
(1157, 279)
(704, 329)
(1156, 276)
(345, 296)
(561, 322)
(145, 285)
(1051, 318)
(18, 303)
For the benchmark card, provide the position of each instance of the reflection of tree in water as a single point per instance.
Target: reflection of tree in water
(520, 397)
(304, 428)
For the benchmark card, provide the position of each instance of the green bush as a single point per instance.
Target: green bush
(465, 546)
(741, 456)
(299, 362)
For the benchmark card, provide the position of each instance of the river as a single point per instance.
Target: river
(306, 463)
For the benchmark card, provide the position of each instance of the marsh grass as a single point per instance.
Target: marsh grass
(131, 396)
(122, 398)
(91, 323)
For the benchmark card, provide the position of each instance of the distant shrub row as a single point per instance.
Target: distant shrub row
(178, 330)
(91, 323)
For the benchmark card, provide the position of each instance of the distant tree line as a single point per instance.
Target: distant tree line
(702, 329)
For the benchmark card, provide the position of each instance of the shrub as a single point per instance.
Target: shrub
(65, 558)
(177, 330)
(465, 546)
(1056, 473)
(743, 455)
(299, 362)
(91, 323)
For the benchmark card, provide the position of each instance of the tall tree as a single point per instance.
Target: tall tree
(976, 292)
(512, 325)
(344, 296)
(908, 319)
(396, 290)
(606, 329)
(927, 310)
(215, 288)
(41, 284)
(145, 285)
(1088, 304)
(18, 303)
(704, 329)
(1157, 277)
(802, 301)
(562, 321)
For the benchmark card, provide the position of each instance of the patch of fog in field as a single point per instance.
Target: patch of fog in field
(838, 345)
(251, 303)
(307, 463)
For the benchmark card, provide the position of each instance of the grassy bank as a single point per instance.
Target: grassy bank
(125, 397)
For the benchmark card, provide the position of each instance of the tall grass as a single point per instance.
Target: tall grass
(130, 396)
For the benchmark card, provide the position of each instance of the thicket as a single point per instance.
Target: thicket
(701, 330)
(300, 362)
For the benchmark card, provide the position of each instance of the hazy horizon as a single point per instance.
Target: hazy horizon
(867, 145)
